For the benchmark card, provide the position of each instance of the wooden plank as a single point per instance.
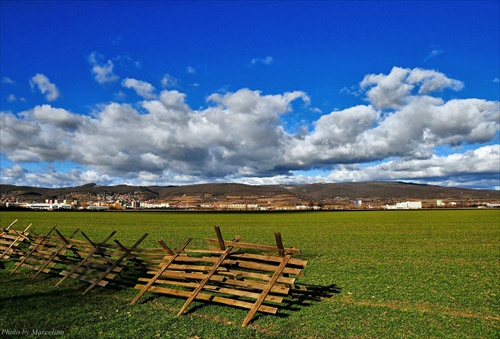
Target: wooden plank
(220, 240)
(41, 239)
(209, 275)
(20, 235)
(214, 252)
(260, 266)
(209, 297)
(253, 275)
(57, 252)
(289, 250)
(255, 285)
(84, 278)
(279, 244)
(264, 293)
(116, 263)
(170, 282)
(89, 255)
(163, 269)
(273, 258)
(188, 259)
(245, 294)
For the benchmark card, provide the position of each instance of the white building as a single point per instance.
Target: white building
(49, 206)
(407, 205)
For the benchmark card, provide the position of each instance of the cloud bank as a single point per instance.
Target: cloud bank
(241, 136)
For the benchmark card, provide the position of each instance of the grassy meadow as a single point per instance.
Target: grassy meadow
(384, 274)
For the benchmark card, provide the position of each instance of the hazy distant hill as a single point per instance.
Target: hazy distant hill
(310, 192)
(388, 190)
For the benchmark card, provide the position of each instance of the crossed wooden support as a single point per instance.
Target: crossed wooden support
(84, 260)
(46, 252)
(227, 275)
(251, 276)
(101, 263)
(10, 240)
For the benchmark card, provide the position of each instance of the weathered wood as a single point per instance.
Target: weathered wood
(34, 248)
(289, 250)
(209, 297)
(57, 252)
(14, 239)
(220, 239)
(116, 263)
(210, 273)
(279, 244)
(252, 275)
(273, 258)
(261, 266)
(264, 293)
(228, 275)
(88, 257)
(163, 269)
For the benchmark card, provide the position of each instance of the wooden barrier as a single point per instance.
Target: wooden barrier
(11, 240)
(101, 264)
(227, 275)
(256, 277)
(49, 253)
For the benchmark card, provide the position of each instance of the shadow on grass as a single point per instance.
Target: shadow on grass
(301, 296)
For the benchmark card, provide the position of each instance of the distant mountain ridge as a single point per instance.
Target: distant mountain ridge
(311, 192)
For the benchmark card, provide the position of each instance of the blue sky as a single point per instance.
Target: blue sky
(271, 92)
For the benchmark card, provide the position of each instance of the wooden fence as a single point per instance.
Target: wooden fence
(256, 277)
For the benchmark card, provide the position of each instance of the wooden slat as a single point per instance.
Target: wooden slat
(260, 266)
(84, 278)
(116, 263)
(210, 273)
(88, 257)
(40, 241)
(163, 269)
(290, 250)
(268, 288)
(273, 258)
(253, 275)
(57, 252)
(209, 297)
(20, 236)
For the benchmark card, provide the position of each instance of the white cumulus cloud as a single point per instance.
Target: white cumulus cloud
(102, 71)
(142, 88)
(46, 87)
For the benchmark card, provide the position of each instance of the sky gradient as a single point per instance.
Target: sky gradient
(275, 92)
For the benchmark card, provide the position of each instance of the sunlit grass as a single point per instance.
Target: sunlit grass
(401, 274)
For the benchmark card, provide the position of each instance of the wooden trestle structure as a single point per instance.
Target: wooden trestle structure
(230, 272)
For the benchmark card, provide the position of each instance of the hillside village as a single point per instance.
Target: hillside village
(238, 197)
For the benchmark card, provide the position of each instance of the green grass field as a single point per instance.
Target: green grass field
(389, 274)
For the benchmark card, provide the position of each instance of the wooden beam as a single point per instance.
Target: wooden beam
(56, 253)
(279, 244)
(19, 264)
(96, 248)
(163, 269)
(219, 238)
(264, 293)
(8, 227)
(210, 273)
(116, 263)
(289, 250)
(15, 240)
